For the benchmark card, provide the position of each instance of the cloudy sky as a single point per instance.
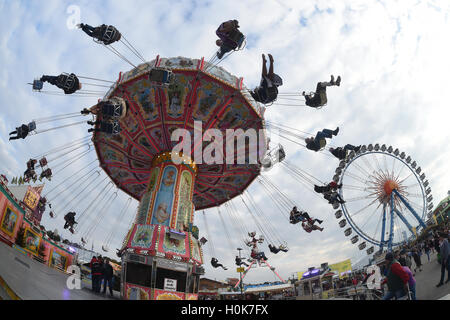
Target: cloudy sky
(392, 56)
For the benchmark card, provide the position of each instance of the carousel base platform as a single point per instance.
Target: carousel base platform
(22, 278)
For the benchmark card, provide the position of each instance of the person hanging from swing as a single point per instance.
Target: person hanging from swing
(301, 216)
(296, 216)
(318, 142)
(215, 263)
(67, 82)
(70, 221)
(309, 225)
(23, 131)
(47, 173)
(239, 262)
(333, 196)
(30, 172)
(230, 38)
(107, 127)
(341, 153)
(319, 98)
(103, 33)
(267, 91)
(114, 108)
(332, 186)
(258, 255)
(275, 249)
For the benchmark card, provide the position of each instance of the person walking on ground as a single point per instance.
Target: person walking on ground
(427, 250)
(411, 281)
(108, 277)
(417, 260)
(96, 275)
(102, 272)
(396, 278)
(444, 251)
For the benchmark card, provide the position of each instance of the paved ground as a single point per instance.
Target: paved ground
(32, 280)
(428, 278)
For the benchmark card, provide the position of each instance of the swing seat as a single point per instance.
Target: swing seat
(322, 143)
(160, 75)
(38, 85)
(43, 162)
(67, 81)
(237, 37)
(32, 126)
(110, 35)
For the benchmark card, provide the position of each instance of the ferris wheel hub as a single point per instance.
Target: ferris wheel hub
(389, 186)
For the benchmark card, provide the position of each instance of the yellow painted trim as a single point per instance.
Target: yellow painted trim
(8, 290)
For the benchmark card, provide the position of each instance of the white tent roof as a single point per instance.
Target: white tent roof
(269, 288)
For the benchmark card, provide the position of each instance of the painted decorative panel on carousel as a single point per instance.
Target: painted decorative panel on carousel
(143, 236)
(183, 216)
(162, 208)
(134, 292)
(173, 245)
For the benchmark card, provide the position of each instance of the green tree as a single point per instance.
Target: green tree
(20, 238)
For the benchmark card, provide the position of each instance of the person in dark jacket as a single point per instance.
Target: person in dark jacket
(417, 260)
(230, 38)
(319, 98)
(341, 153)
(96, 274)
(396, 278)
(267, 91)
(23, 131)
(108, 127)
(104, 33)
(215, 263)
(239, 262)
(68, 82)
(318, 142)
(108, 275)
(444, 251)
(332, 186)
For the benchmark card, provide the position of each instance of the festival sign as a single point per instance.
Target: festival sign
(342, 267)
(31, 198)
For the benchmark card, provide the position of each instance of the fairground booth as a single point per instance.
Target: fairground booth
(20, 229)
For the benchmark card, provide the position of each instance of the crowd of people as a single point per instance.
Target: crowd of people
(102, 272)
(402, 265)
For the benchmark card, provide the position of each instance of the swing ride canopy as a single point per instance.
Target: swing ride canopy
(198, 91)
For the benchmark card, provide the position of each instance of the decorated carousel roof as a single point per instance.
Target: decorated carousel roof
(197, 91)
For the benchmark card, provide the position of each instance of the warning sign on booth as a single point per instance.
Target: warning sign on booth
(170, 284)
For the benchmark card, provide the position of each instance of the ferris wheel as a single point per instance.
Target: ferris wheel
(386, 197)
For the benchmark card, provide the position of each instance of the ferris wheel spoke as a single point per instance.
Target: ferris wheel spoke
(414, 195)
(386, 167)
(359, 198)
(403, 180)
(362, 209)
(355, 177)
(411, 186)
(374, 237)
(361, 169)
(371, 216)
(368, 164)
